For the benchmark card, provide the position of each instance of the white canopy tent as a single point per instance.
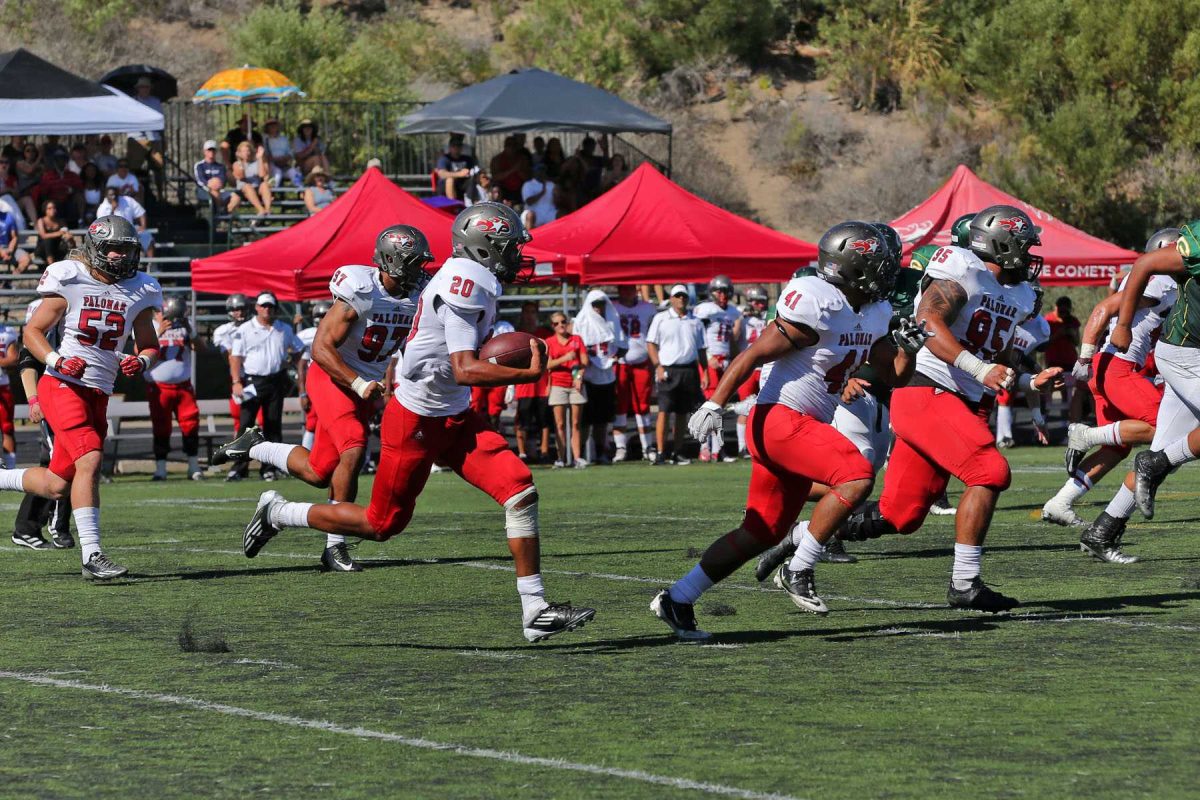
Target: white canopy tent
(37, 97)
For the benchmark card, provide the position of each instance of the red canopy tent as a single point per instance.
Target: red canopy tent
(1073, 258)
(296, 264)
(650, 230)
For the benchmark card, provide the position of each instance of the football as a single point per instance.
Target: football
(510, 350)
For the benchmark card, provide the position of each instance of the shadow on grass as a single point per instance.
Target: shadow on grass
(948, 552)
(1119, 601)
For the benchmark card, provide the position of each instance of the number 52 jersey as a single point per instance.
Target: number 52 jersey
(383, 320)
(99, 318)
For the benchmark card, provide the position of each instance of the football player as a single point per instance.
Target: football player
(169, 390)
(9, 356)
(306, 336)
(754, 321)
(635, 374)
(971, 300)
(430, 420)
(1030, 337)
(825, 328)
(1126, 400)
(101, 298)
(1177, 356)
(371, 317)
(722, 329)
(236, 307)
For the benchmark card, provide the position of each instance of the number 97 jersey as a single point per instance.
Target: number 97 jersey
(383, 320)
(99, 318)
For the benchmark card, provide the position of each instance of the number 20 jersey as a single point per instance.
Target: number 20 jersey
(987, 322)
(810, 380)
(383, 320)
(99, 318)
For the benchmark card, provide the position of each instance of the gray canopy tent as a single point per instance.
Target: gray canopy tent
(534, 100)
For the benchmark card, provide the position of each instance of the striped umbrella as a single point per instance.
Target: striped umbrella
(246, 85)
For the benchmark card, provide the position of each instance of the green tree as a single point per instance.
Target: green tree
(287, 38)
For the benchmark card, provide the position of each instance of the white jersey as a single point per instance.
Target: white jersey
(7, 336)
(718, 326)
(223, 337)
(54, 335)
(383, 323)
(306, 337)
(635, 322)
(987, 322)
(454, 314)
(1031, 334)
(811, 380)
(99, 318)
(174, 356)
(1162, 290)
(752, 328)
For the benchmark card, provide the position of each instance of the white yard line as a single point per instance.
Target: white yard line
(510, 757)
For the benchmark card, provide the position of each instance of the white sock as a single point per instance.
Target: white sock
(1004, 422)
(798, 531)
(87, 524)
(1103, 434)
(193, 465)
(290, 515)
(10, 460)
(333, 539)
(1073, 489)
(619, 439)
(160, 466)
(689, 588)
(533, 596)
(273, 453)
(967, 560)
(808, 550)
(643, 426)
(741, 433)
(306, 441)
(11, 479)
(1121, 506)
(1178, 452)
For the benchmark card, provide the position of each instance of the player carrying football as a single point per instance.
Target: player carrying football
(101, 297)
(430, 420)
(371, 316)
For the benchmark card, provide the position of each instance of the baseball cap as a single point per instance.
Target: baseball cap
(266, 299)
(678, 288)
(210, 144)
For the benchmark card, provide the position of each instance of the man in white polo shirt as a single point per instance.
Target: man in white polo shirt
(263, 347)
(675, 344)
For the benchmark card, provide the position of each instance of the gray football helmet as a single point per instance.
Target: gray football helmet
(492, 234)
(236, 302)
(402, 252)
(1004, 236)
(895, 245)
(720, 283)
(856, 255)
(756, 293)
(111, 233)
(1163, 238)
(174, 308)
(319, 310)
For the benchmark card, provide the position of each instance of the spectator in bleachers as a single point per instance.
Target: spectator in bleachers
(509, 169)
(14, 148)
(146, 146)
(63, 187)
(253, 177)
(539, 150)
(318, 195)
(236, 135)
(554, 158)
(279, 152)
(479, 187)
(54, 240)
(538, 195)
(125, 181)
(454, 170)
(77, 159)
(211, 177)
(8, 191)
(308, 148)
(11, 256)
(29, 172)
(93, 190)
(616, 171)
(53, 148)
(566, 360)
(105, 160)
(129, 208)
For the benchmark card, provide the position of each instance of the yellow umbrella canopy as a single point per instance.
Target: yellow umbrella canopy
(246, 84)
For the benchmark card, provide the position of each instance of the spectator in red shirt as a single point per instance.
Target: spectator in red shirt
(566, 359)
(510, 169)
(1062, 350)
(62, 186)
(533, 399)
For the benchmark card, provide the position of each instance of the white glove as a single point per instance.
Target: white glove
(1082, 371)
(705, 421)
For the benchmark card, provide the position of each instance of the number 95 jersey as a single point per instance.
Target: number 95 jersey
(383, 320)
(99, 318)
(811, 380)
(987, 322)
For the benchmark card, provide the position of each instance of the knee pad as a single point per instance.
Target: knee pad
(522, 523)
(867, 523)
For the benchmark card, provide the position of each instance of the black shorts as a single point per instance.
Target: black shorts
(680, 392)
(601, 406)
(533, 414)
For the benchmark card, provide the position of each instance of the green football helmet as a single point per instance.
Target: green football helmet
(920, 257)
(960, 231)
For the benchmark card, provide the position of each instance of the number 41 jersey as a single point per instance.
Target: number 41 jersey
(987, 322)
(99, 318)
(383, 320)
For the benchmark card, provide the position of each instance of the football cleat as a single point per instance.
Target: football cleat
(651, 454)
(835, 553)
(729, 459)
(158, 476)
(239, 448)
(942, 508)
(801, 586)
(1150, 468)
(63, 539)
(1060, 512)
(31, 541)
(1102, 540)
(773, 558)
(680, 461)
(260, 530)
(619, 455)
(101, 568)
(979, 597)
(197, 475)
(556, 618)
(1005, 443)
(679, 617)
(1077, 447)
(337, 559)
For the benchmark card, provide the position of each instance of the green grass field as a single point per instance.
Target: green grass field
(411, 679)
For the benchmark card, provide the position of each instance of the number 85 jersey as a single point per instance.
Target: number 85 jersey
(383, 320)
(99, 318)
(987, 322)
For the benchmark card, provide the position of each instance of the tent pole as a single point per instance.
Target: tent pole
(564, 295)
(670, 151)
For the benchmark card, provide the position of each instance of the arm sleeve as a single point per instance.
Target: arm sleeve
(461, 334)
(26, 361)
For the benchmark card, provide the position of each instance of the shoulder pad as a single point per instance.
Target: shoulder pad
(706, 309)
(806, 300)
(354, 285)
(1160, 286)
(58, 275)
(953, 264)
(465, 285)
